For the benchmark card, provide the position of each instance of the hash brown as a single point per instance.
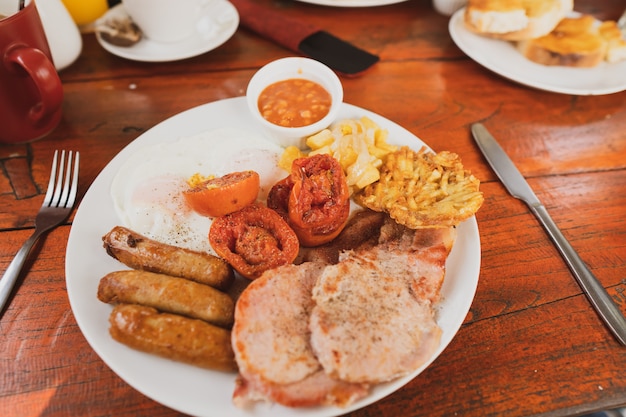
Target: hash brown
(423, 189)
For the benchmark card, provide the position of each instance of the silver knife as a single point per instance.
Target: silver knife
(519, 188)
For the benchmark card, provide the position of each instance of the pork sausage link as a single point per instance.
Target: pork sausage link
(172, 336)
(140, 252)
(169, 294)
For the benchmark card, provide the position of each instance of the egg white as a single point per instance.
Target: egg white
(147, 190)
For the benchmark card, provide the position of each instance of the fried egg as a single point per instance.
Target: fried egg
(147, 190)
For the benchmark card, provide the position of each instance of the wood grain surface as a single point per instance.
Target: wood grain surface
(531, 344)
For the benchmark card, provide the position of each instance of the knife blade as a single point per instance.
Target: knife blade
(517, 186)
(304, 38)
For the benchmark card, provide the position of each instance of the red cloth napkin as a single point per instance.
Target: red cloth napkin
(284, 30)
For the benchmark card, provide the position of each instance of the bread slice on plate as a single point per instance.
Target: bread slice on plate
(616, 44)
(515, 20)
(577, 42)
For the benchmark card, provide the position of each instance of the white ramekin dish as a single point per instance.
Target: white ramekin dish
(294, 67)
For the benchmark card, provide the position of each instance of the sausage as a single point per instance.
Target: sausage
(169, 294)
(140, 252)
(172, 336)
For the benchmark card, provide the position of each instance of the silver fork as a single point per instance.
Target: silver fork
(56, 207)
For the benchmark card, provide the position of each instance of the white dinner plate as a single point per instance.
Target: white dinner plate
(213, 29)
(352, 3)
(504, 59)
(197, 391)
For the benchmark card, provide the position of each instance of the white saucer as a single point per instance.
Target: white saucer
(503, 58)
(213, 29)
(352, 3)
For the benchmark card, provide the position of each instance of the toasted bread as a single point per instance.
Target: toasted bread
(616, 44)
(577, 42)
(515, 20)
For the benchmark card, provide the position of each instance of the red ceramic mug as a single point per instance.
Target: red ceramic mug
(30, 89)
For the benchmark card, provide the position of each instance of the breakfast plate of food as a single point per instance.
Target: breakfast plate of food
(546, 61)
(137, 195)
(119, 36)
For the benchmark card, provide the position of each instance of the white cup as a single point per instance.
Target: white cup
(165, 20)
(448, 7)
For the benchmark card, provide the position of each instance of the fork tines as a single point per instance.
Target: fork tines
(61, 192)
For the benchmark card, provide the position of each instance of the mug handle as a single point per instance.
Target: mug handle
(43, 73)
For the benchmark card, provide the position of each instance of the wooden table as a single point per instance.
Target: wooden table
(530, 345)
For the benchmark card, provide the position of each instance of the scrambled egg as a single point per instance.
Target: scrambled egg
(197, 179)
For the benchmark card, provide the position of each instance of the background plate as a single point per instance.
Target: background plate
(504, 59)
(352, 3)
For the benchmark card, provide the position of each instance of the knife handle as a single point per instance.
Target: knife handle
(271, 24)
(599, 298)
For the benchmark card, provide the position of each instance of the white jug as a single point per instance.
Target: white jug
(63, 35)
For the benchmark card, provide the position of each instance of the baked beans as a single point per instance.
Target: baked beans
(294, 102)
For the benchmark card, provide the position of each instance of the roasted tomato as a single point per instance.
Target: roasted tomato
(278, 197)
(318, 201)
(253, 240)
(220, 196)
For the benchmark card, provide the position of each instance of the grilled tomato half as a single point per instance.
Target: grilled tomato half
(219, 196)
(314, 198)
(253, 240)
